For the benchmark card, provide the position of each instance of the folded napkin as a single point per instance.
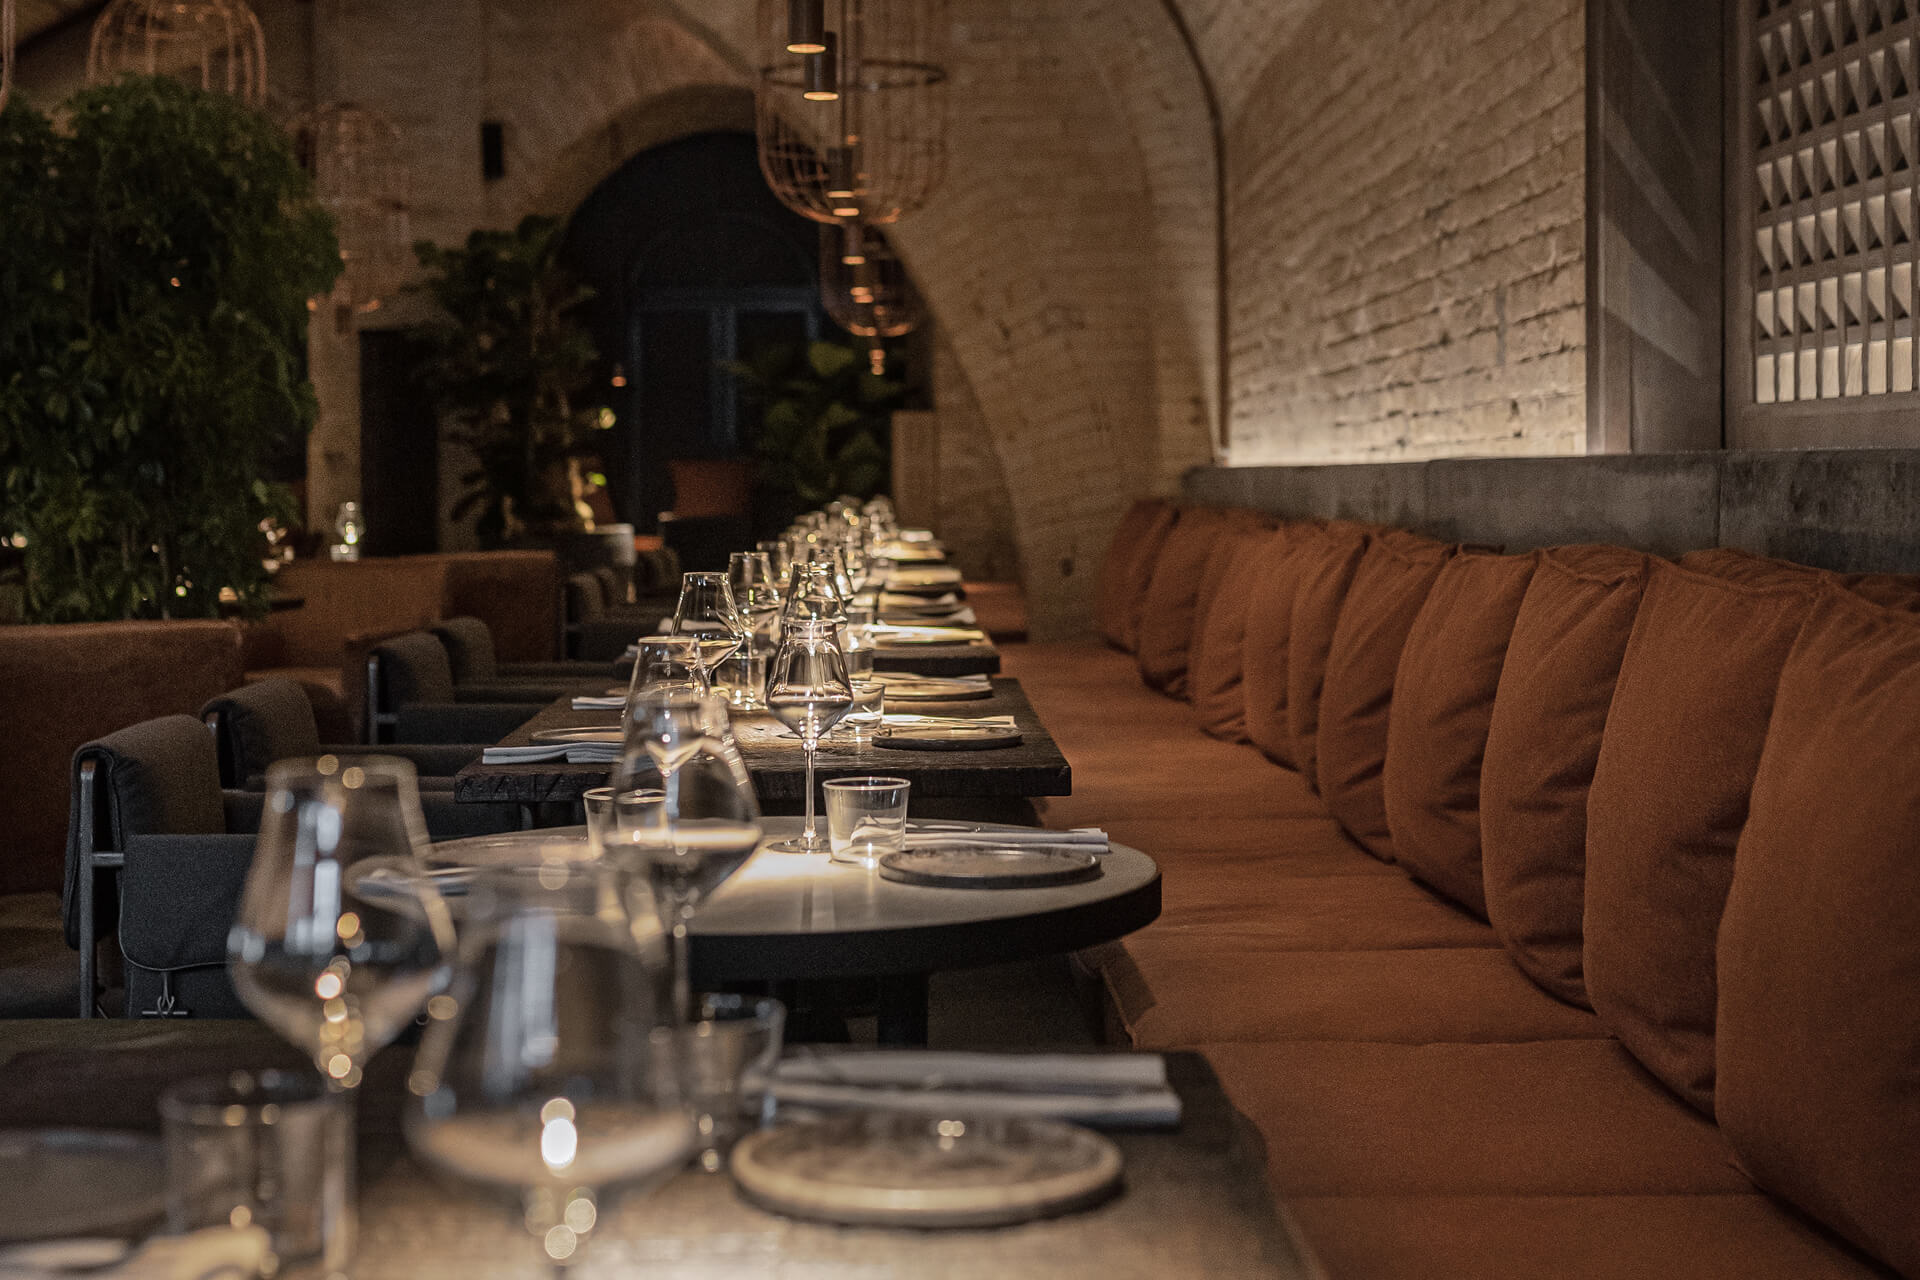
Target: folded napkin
(961, 617)
(888, 600)
(217, 1251)
(888, 633)
(927, 835)
(930, 576)
(601, 702)
(904, 720)
(971, 682)
(1121, 1090)
(541, 752)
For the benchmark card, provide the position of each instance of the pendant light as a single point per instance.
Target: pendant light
(854, 129)
(212, 44)
(864, 287)
(7, 27)
(360, 178)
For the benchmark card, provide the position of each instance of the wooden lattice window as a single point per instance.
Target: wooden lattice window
(1822, 186)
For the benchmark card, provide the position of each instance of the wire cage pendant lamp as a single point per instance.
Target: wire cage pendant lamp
(851, 105)
(865, 287)
(212, 44)
(7, 28)
(354, 155)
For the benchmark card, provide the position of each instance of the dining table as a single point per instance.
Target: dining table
(1193, 1201)
(1034, 767)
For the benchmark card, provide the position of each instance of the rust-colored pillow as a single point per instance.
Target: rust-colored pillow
(1173, 595)
(1388, 589)
(1893, 590)
(1128, 568)
(1326, 571)
(1214, 672)
(1670, 790)
(1542, 743)
(1437, 732)
(1818, 1029)
(1263, 647)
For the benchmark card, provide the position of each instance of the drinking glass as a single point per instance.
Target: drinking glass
(868, 713)
(340, 938)
(664, 661)
(685, 816)
(866, 818)
(544, 1077)
(808, 691)
(856, 638)
(708, 614)
(727, 1055)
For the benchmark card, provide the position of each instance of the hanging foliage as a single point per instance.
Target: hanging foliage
(160, 250)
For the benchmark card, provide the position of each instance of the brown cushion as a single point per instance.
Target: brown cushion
(1442, 704)
(1173, 595)
(1171, 995)
(1699, 1237)
(1215, 672)
(1326, 571)
(1669, 797)
(1893, 590)
(1542, 743)
(1545, 1117)
(1128, 566)
(1311, 913)
(1264, 642)
(1818, 1030)
(1388, 589)
(1268, 847)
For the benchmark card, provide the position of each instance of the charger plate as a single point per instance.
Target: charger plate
(79, 1182)
(944, 738)
(584, 733)
(875, 1168)
(986, 866)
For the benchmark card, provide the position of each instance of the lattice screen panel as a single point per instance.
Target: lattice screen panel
(1835, 167)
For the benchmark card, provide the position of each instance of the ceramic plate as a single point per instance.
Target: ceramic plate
(910, 688)
(508, 849)
(984, 866)
(881, 1169)
(945, 738)
(79, 1182)
(585, 733)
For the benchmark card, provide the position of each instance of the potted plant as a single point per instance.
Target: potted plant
(161, 247)
(508, 369)
(824, 425)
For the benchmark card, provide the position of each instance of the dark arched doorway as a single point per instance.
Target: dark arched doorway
(693, 263)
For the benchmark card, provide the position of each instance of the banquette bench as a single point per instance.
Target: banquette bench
(1550, 915)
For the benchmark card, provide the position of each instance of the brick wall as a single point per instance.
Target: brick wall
(1407, 213)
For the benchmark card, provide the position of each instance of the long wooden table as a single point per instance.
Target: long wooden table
(1194, 1203)
(1034, 768)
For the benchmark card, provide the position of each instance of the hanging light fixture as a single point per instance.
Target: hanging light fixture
(865, 288)
(212, 44)
(855, 128)
(6, 50)
(360, 178)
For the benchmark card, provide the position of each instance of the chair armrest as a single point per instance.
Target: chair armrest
(537, 693)
(448, 722)
(605, 639)
(243, 808)
(432, 760)
(557, 671)
(178, 898)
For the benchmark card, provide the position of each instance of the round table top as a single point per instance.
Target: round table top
(787, 916)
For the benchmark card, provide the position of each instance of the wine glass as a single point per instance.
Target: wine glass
(664, 662)
(340, 938)
(547, 1076)
(685, 817)
(812, 596)
(779, 558)
(708, 614)
(808, 691)
(757, 593)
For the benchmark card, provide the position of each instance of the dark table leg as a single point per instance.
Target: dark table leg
(903, 1010)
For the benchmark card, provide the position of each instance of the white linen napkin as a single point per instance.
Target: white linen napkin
(221, 1251)
(927, 835)
(938, 575)
(889, 633)
(888, 600)
(542, 752)
(601, 702)
(905, 720)
(1122, 1090)
(971, 682)
(961, 617)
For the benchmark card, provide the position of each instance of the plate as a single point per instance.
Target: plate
(945, 738)
(984, 866)
(881, 1169)
(584, 733)
(79, 1182)
(508, 849)
(912, 688)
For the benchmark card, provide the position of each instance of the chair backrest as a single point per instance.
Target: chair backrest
(259, 723)
(586, 598)
(469, 645)
(410, 668)
(156, 778)
(612, 589)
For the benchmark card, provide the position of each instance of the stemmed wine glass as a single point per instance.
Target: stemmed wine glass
(757, 594)
(812, 596)
(548, 1076)
(684, 813)
(340, 937)
(808, 691)
(708, 614)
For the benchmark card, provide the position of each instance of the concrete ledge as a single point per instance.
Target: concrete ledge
(1856, 509)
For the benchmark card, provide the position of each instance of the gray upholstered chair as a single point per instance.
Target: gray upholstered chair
(411, 697)
(478, 676)
(272, 719)
(156, 854)
(599, 632)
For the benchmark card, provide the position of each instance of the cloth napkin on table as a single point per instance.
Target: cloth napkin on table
(217, 1253)
(971, 682)
(904, 720)
(961, 617)
(888, 633)
(888, 600)
(928, 835)
(1118, 1090)
(601, 702)
(542, 752)
(929, 576)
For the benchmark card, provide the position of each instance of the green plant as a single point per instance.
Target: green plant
(508, 367)
(824, 418)
(159, 251)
